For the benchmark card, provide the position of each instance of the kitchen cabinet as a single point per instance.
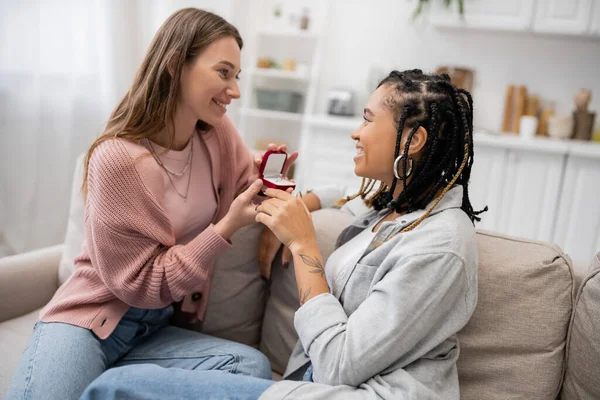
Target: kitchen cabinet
(519, 184)
(485, 188)
(578, 223)
(563, 16)
(530, 194)
(540, 189)
(486, 14)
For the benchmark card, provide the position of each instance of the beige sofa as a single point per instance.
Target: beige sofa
(532, 336)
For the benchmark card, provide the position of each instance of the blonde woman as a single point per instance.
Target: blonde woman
(166, 185)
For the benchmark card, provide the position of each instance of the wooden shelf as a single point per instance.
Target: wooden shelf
(270, 114)
(279, 73)
(538, 144)
(280, 41)
(334, 122)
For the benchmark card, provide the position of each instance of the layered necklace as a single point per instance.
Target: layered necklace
(173, 173)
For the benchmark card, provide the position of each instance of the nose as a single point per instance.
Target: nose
(234, 90)
(355, 135)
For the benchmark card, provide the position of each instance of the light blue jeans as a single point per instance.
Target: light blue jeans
(61, 360)
(151, 382)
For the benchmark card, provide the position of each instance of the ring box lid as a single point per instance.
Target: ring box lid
(271, 168)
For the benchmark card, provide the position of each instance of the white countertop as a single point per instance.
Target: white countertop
(578, 148)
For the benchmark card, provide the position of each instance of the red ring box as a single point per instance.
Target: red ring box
(271, 171)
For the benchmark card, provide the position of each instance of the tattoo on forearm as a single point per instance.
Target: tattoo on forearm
(303, 295)
(315, 264)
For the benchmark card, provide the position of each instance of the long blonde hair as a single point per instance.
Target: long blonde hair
(149, 105)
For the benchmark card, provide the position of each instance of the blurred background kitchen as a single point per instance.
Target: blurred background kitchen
(308, 69)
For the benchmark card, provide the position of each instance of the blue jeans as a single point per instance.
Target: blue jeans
(61, 360)
(150, 382)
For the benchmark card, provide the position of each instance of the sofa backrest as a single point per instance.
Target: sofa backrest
(514, 345)
(75, 228)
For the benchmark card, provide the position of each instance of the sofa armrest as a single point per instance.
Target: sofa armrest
(28, 281)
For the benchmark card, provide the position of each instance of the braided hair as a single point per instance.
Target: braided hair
(446, 112)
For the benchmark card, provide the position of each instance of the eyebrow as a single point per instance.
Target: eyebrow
(368, 111)
(230, 65)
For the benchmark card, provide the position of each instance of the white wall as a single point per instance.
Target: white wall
(381, 33)
(142, 19)
(2, 219)
(64, 65)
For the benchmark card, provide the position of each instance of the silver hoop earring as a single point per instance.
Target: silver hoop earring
(410, 167)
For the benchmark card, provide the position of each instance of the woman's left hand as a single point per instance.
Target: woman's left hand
(288, 218)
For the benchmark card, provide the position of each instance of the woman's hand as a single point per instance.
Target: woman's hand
(267, 249)
(242, 211)
(288, 218)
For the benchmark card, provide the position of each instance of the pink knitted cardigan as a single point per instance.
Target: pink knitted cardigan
(129, 257)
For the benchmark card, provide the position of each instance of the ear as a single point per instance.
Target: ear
(417, 143)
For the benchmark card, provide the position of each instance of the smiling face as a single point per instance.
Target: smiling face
(435, 119)
(209, 83)
(376, 138)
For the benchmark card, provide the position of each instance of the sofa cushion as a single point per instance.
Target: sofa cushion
(278, 333)
(583, 348)
(75, 229)
(14, 335)
(238, 293)
(513, 346)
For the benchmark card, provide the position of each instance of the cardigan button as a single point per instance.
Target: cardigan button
(219, 189)
(196, 296)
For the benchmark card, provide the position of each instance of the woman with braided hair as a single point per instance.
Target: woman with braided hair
(379, 320)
